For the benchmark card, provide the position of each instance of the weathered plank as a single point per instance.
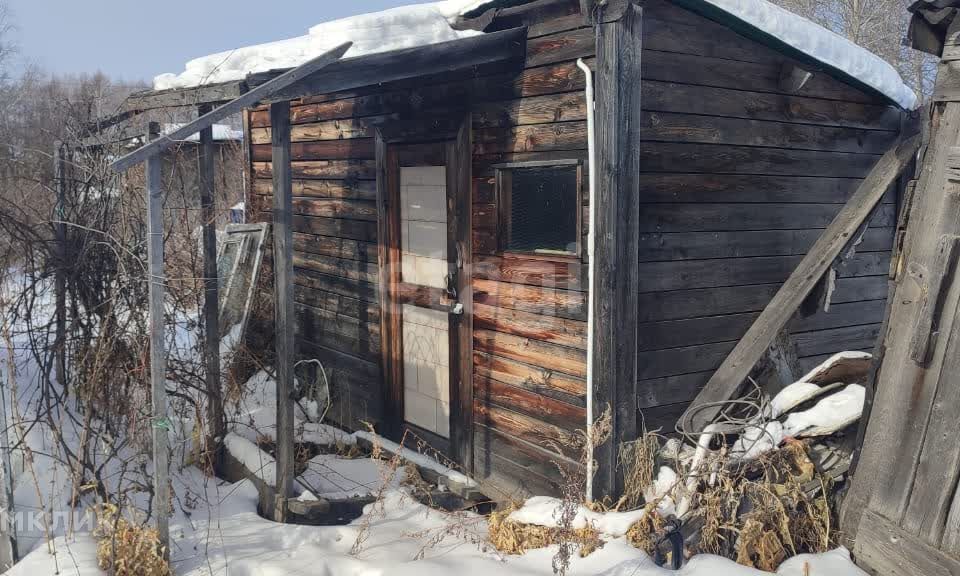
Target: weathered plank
(720, 328)
(531, 138)
(335, 247)
(689, 274)
(566, 275)
(246, 100)
(733, 217)
(360, 230)
(350, 189)
(673, 127)
(905, 391)
(933, 493)
(158, 362)
(538, 406)
(510, 467)
(356, 148)
(661, 363)
(887, 549)
(546, 436)
(737, 103)
(746, 243)
(537, 379)
(802, 280)
(551, 329)
(341, 333)
(747, 188)
(350, 269)
(692, 303)
(363, 291)
(723, 73)
(569, 361)
(365, 311)
(836, 339)
(536, 299)
(712, 159)
(617, 212)
(216, 424)
(322, 169)
(283, 275)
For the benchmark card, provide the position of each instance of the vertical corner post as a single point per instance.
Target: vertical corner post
(160, 424)
(60, 158)
(618, 28)
(211, 300)
(283, 298)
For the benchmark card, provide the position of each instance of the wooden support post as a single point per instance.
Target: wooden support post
(211, 300)
(283, 299)
(158, 377)
(60, 154)
(730, 376)
(616, 258)
(8, 530)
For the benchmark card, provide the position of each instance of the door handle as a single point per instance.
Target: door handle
(451, 281)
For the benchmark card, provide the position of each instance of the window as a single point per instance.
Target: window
(539, 206)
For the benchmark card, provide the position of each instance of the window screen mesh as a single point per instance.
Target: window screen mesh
(543, 209)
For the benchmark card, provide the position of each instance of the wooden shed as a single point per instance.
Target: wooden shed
(440, 210)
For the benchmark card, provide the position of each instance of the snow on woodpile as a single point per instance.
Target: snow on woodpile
(403, 27)
(821, 45)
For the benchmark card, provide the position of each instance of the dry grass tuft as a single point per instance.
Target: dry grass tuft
(762, 522)
(639, 462)
(511, 537)
(643, 533)
(125, 549)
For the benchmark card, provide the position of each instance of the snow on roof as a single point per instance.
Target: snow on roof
(820, 44)
(221, 132)
(422, 24)
(403, 27)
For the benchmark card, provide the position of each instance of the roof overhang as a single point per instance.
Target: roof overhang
(712, 12)
(504, 47)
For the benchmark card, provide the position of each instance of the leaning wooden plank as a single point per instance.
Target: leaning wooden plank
(247, 100)
(731, 374)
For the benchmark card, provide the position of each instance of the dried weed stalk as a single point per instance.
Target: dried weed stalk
(126, 549)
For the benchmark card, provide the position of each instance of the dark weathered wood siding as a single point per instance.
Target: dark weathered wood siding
(737, 181)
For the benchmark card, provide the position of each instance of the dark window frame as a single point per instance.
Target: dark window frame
(504, 193)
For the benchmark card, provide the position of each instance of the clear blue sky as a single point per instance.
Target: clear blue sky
(138, 39)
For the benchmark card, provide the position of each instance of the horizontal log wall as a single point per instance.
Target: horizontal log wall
(739, 180)
(529, 315)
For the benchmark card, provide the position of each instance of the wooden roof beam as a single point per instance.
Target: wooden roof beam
(406, 63)
(194, 96)
(251, 98)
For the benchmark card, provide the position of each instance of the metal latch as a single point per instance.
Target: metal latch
(457, 309)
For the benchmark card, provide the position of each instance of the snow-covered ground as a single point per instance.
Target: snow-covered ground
(400, 538)
(216, 531)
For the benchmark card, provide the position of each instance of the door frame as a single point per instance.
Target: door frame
(456, 140)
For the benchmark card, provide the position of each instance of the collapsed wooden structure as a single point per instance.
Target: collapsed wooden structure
(412, 258)
(903, 510)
